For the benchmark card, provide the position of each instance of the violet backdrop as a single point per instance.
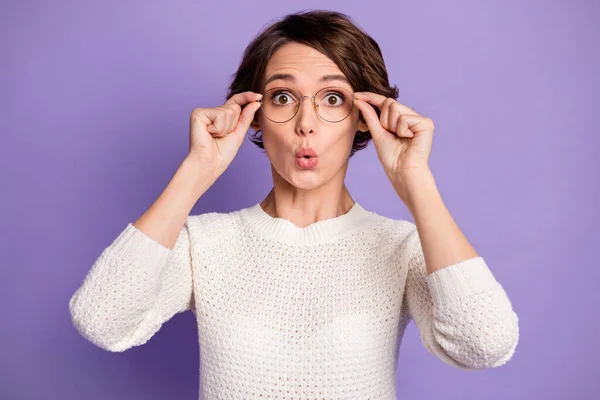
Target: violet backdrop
(95, 99)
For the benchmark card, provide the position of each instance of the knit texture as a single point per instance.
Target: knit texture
(296, 313)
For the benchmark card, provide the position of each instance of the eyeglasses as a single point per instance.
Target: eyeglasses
(281, 104)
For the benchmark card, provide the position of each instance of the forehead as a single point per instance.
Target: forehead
(304, 67)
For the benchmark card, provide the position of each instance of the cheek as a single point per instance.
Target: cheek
(350, 130)
(274, 143)
(337, 148)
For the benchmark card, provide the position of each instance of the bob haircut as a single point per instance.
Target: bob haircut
(331, 33)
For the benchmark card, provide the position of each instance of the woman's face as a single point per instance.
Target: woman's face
(332, 142)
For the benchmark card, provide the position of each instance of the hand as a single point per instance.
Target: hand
(402, 137)
(216, 134)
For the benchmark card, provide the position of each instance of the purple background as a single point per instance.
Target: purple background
(95, 99)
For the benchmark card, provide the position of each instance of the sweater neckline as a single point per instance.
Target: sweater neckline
(282, 230)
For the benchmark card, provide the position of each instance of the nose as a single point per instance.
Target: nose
(307, 116)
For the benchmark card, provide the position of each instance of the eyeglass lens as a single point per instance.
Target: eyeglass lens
(281, 104)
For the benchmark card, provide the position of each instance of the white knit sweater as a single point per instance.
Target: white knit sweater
(296, 313)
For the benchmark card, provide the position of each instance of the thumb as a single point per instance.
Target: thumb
(245, 119)
(370, 116)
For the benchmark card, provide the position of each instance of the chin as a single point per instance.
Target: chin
(305, 180)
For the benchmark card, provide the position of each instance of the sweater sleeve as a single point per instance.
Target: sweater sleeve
(463, 314)
(133, 287)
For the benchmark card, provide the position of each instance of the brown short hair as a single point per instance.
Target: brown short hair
(333, 34)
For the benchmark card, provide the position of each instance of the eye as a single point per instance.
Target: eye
(334, 99)
(282, 98)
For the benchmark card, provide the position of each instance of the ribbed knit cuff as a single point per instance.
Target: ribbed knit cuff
(135, 246)
(460, 280)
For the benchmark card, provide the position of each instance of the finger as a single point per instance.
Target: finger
(218, 121)
(402, 129)
(372, 98)
(231, 120)
(386, 112)
(231, 115)
(370, 116)
(393, 118)
(409, 125)
(243, 98)
(378, 100)
(234, 111)
(245, 119)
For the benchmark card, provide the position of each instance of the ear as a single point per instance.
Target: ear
(362, 124)
(254, 124)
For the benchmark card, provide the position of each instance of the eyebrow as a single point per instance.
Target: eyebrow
(325, 78)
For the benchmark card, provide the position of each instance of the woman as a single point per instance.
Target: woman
(305, 294)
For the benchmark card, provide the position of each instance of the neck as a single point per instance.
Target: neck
(303, 207)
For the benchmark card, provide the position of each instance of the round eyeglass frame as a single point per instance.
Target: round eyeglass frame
(315, 105)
